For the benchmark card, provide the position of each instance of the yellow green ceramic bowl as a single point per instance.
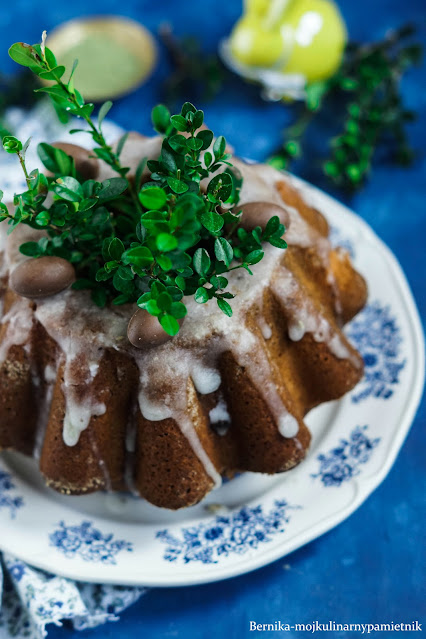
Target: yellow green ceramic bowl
(115, 54)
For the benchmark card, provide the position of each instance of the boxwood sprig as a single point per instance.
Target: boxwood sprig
(182, 237)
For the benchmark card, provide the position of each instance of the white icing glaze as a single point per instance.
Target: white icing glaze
(19, 322)
(49, 374)
(265, 328)
(288, 426)
(220, 415)
(206, 380)
(77, 416)
(83, 333)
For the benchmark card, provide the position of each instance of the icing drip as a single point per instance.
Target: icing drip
(45, 400)
(19, 320)
(219, 413)
(220, 418)
(250, 355)
(164, 394)
(304, 318)
(206, 380)
(77, 416)
(82, 337)
(288, 426)
(265, 329)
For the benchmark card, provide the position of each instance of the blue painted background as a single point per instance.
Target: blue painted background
(371, 568)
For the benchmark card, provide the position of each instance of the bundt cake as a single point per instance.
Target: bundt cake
(226, 394)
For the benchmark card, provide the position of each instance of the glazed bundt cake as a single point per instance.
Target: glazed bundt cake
(225, 395)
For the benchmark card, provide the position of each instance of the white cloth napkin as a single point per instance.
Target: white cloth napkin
(31, 599)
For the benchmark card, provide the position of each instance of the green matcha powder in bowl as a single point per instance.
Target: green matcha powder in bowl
(115, 55)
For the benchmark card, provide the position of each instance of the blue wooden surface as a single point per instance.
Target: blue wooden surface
(371, 568)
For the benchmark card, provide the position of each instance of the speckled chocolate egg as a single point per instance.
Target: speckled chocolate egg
(258, 213)
(42, 277)
(87, 166)
(145, 331)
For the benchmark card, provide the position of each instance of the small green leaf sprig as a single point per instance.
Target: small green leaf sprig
(151, 242)
(365, 93)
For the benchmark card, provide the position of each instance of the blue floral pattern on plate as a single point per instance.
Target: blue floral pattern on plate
(343, 462)
(88, 543)
(339, 240)
(236, 533)
(13, 503)
(377, 335)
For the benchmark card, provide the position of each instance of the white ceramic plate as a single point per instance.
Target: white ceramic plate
(355, 442)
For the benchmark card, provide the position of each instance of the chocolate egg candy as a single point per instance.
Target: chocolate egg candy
(86, 166)
(145, 331)
(42, 276)
(259, 213)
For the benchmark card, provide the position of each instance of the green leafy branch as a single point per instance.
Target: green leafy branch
(367, 85)
(182, 238)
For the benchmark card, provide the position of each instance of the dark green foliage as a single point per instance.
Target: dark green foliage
(365, 95)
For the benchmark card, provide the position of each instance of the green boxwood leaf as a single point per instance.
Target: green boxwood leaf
(103, 111)
(55, 160)
(254, 256)
(272, 226)
(152, 307)
(206, 137)
(43, 218)
(160, 116)
(31, 249)
(201, 295)
(164, 262)
(201, 261)
(68, 188)
(102, 275)
(220, 187)
(157, 288)
(178, 310)
(164, 301)
(224, 307)
(138, 255)
(168, 160)
(195, 144)
(169, 324)
(180, 282)
(178, 143)
(115, 248)
(54, 74)
(219, 147)
(24, 54)
(179, 122)
(212, 221)
(166, 242)
(187, 108)
(177, 186)
(112, 188)
(153, 198)
(121, 142)
(223, 250)
(198, 119)
(279, 243)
